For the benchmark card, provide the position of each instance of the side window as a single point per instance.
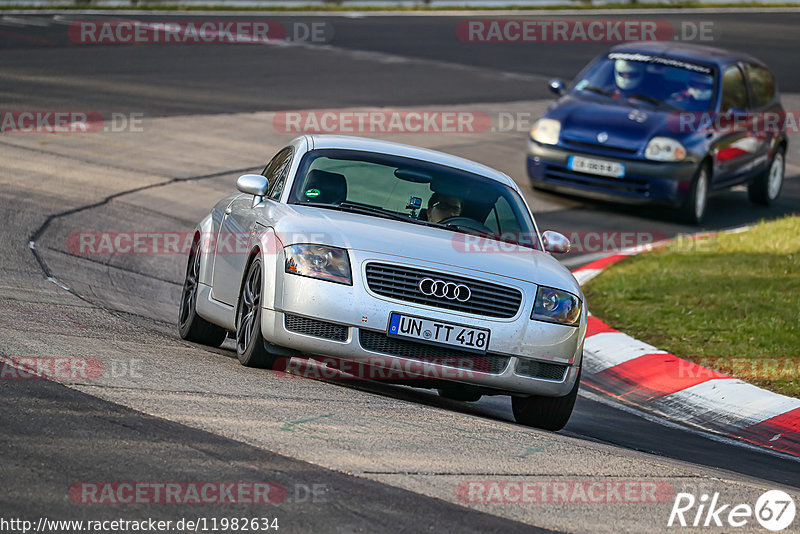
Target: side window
(276, 170)
(734, 93)
(761, 83)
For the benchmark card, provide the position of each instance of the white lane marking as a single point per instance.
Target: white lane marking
(700, 431)
(25, 21)
(608, 349)
(56, 282)
(65, 21)
(725, 403)
(9, 21)
(386, 58)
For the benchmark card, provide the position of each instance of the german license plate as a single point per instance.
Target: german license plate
(599, 167)
(438, 332)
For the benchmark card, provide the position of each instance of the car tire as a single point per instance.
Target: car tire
(191, 326)
(767, 186)
(548, 413)
(694, 207)
(459, 394)
(250, 347)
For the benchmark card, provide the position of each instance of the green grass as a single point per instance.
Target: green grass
(730, 302)
(154, 6)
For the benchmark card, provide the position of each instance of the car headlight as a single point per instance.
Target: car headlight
(556, 306)
(546, 131)
(664, 149)
(319, 261)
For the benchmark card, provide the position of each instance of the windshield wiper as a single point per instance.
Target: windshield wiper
(468, 230)
(364, 209)
(374, 210)
(597, 90)
(650, 100)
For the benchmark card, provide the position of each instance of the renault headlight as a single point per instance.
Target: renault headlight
(546, 131)
(664, 149)
(556, 306)
(319, 261)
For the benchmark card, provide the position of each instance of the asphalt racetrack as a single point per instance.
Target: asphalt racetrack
(353, 456)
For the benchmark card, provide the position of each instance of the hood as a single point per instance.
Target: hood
(628, 126)
(421, 245)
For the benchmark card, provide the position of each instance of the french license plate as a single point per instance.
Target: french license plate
(438, 332)
(599, 167)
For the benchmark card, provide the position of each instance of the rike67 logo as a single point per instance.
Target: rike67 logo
(774, 510)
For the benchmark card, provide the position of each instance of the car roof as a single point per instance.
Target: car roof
(692, 53)
(347, 142)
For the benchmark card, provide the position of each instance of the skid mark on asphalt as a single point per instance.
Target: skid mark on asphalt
(36, 235)
(290, 426)
(89, 259)
(331, 423)
(529, 451)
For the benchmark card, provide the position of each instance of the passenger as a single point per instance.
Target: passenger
(697, 94)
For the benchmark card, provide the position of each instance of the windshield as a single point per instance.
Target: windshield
(413, 191)
(658, 81)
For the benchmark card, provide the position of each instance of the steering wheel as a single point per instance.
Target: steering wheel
(466, 222)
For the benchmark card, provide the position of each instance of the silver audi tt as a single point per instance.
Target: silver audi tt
(395, 257)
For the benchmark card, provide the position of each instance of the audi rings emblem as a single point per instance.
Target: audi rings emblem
(444, 290)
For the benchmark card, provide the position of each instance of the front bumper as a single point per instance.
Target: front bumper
(644, 181)
(350, 322)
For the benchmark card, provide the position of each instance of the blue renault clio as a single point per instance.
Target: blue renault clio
(666, 123)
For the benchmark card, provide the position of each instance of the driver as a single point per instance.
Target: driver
(441, 207)
(628, 75)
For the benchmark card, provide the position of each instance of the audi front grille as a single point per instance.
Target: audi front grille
(544, 370)
(403, 283)
(315, 327)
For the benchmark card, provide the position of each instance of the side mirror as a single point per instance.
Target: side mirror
(555, 243)
(252, 184)
(556, 86)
